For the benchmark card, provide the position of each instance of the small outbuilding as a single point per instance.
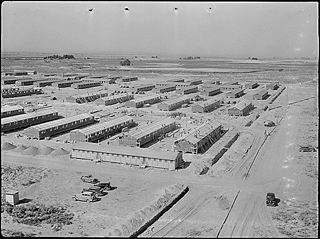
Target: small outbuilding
(12, 197)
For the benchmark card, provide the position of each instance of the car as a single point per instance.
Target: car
(269, 123)
(88, 179)
(95, 189)
(307, 149)
(85, 197)
(104, 186)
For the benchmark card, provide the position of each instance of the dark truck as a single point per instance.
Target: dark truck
(271, 200)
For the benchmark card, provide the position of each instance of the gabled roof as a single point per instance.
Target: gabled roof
(55, 123)
(27, 116)
(143, 85)
(101, 92)
(261, 92)
(208, 102)
(176, 100)
(145, 98)
(236, 91)
(122, 150)
(200, 132)
(104, 125)
(242, 104)
(152, 128)
(11, 108)
(112, 97)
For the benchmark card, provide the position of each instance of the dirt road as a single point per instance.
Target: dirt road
(270, 169)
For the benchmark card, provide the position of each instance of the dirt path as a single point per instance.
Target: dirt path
(273, 170)
(193, 216)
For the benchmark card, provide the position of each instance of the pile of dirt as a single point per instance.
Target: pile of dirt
(20, 148)
(198, 168)
(45, 150)
(199, 164)
(32, 150)
(135, 221)
(59, 152)
(7, 146)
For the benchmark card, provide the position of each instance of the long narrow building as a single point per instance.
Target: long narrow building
(101, 130)
(124, 155)
(49, 129)
(86, 84)
(11, 111)
(26, 120)
(139, 102)
(147, 134)
(200, 139)
(205, 106)
(173, 103)
(110, 100)
(88, 97)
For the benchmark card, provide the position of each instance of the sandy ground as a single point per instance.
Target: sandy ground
(227, 201)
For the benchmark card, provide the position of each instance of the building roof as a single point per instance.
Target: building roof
(209, 88)
(166, 86)
(86, 82)
(175, 80)
(193, 80)
(104, 125)
(112, 97)
(145, 98)
(200, 132)
(151, 128)
(68, 81)
(176, 100)
(11, 108)
(25, 79)
(261, 92)
(55, 123)
(208, 102)
(251, 83)
(89, 94)
(229, 85)
(236, 91)
(129, 77)
(242, 104)
(143, 85)
(27, 116)
(122, 150)
(189, 88)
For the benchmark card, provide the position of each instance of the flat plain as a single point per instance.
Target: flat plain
(221, 201)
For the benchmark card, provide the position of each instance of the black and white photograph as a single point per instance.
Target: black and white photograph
(159, 119)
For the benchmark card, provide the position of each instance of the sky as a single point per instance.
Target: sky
(206, 29)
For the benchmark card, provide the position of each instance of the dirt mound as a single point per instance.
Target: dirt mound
(59, 152)
(7, 146)
(20, 148)
(141, 218)
(45, 150)
(30, 151)
(198, 168)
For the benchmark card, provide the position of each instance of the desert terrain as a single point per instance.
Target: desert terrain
(225, 198)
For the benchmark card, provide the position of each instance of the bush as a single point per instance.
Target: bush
(37, 214)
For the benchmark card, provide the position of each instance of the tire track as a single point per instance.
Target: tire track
(242, 217)
(190, 210)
